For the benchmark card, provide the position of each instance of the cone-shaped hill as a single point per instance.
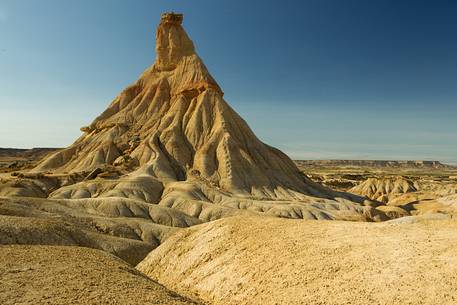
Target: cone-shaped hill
(172, 132)
(173, 122)
(168, 152)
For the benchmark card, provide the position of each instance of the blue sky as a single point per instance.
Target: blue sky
(365, 79)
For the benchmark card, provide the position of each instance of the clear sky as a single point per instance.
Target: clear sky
(365, 79)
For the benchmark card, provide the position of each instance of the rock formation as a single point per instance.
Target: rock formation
(173, 123)
(166, 154)
(384, 189)
(377, 163)
(176, 139)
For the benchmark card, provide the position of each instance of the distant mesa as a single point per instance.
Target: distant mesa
(376, 163)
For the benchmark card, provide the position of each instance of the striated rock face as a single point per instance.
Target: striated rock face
(172, 139)
(172, 42)
(384, 189)
(166, 154)
(173, 122)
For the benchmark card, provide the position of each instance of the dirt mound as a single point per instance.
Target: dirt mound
(275, 261)
(384, 189)
(393, 211)
(73, 275)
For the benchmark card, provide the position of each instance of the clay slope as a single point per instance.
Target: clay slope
(73, 275)
(126, 228)
(267, 261)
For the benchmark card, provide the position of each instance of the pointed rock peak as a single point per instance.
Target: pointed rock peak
(173, 125)
(172, 18)
(172, 42)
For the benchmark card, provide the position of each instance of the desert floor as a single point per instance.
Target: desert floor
(244, 259)
(75, 275)
(254, 260)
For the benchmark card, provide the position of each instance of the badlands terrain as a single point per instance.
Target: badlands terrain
(168, 197)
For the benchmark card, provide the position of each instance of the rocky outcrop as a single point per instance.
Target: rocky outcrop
(167, 153)
(384, 189)
(173, 122)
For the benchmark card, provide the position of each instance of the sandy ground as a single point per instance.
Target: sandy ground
(75, 275)
(267, 261)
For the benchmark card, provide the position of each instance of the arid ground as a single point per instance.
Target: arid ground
(168, 197)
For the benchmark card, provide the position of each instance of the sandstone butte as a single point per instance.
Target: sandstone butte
(179, 144)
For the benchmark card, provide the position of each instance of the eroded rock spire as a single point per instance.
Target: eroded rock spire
(173, 126)
(172, 42)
